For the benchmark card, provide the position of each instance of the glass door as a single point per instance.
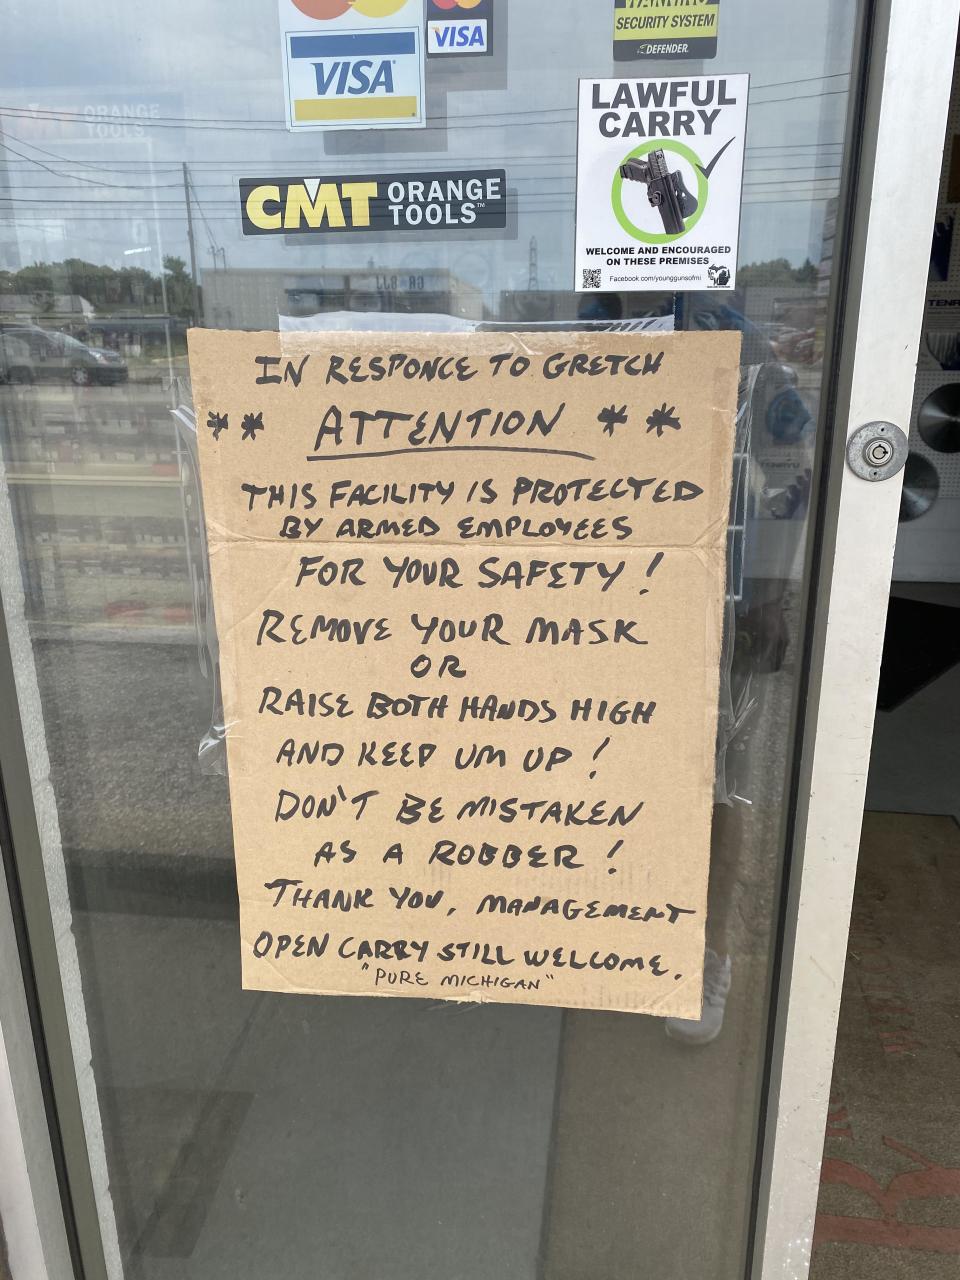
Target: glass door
(207, 1131)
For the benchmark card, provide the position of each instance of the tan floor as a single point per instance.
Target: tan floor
(890, 1184)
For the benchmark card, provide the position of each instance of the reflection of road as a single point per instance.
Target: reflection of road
(124, 723)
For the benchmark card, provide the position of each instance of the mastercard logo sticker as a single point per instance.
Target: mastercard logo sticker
(323, 10)
(463, 27)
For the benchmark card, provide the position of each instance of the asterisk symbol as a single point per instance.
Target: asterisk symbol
(663, 417)
(251, 424)
(612, 417)
(217, 422)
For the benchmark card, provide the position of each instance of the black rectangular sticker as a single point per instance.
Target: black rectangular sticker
(466, 200)
(665, 29)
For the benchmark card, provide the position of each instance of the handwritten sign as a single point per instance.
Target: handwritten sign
(468, 592)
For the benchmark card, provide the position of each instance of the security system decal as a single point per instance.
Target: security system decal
(353, 64)
(659, 178)
(461, 27)
(665, 29)
(466, 200)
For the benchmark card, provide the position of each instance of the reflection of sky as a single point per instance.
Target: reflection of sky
(191, 62)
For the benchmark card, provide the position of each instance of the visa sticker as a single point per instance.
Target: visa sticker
(463, 28)
(353, 65)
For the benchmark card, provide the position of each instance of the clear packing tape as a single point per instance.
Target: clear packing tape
(736, 698)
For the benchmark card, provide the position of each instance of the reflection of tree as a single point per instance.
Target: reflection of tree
(179, 287)
(110, 290)
(777, 271)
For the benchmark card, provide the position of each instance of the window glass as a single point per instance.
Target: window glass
(240, 1134)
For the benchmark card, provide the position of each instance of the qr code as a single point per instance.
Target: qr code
(591, 277)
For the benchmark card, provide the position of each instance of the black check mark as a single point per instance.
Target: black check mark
(712, 165)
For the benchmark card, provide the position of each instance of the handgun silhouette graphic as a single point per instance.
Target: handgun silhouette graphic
(665, 189)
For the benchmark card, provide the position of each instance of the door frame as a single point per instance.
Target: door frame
(908, 76)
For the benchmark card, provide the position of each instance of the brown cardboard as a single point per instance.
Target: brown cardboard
(591, 831)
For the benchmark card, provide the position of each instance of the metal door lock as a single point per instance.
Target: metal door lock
(877, 451)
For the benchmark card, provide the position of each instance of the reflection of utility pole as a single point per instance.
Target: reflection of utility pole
(533, 274)
(197, 318)
(9, 247)
(165, 301)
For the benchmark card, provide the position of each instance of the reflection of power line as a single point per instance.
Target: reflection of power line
(523, 161)
(777, 84)
(227, 184)
(796, 146)
(219, 186)
(492, 119)
(218, 182)
(761, 197)
(105, 118)
(106, 166)
(231, 200)
(76, 178)
(141, 207)
(800, 97)
(247, 163)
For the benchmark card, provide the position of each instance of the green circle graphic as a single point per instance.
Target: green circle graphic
(616, 195)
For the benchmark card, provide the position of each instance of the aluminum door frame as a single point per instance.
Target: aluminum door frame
(909, 72)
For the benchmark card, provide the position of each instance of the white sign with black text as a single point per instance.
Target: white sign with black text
(659, 180)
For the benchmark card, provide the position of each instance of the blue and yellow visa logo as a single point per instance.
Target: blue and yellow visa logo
(460, 27)
(353, 71)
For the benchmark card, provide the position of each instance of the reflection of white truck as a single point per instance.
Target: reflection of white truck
(30, 354)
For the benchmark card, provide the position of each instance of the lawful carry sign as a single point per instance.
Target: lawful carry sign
(665, 29)
(439, 201)
(659, 177)
(469, 598)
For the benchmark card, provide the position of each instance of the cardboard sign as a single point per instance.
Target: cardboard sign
(665, 29)
(353, 64)
(468, 593)
(460, 27)
(387, 202)
(659, 177)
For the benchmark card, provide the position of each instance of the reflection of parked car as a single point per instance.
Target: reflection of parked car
(797, 345)
(39, 355)
(776, 398)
